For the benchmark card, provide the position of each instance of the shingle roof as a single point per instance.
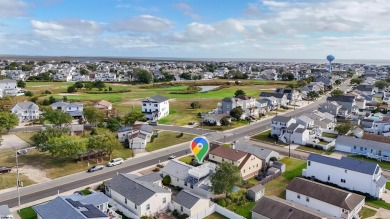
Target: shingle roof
(271, 94)
(27, 105)
(4, 211)
(259, 152)
(65, 211)
(65, 104)
(227, 99)
(377, 138)
(358, 142)
(186, 199)
(177, 169)
(96, 198)
(381, 181)
(361, 166)
(228, 153)
(156, 98)
(257, 188)
(283, 119)
(135, 190)
(276, 208)
(343, 98)
(325, 193)
(151, 177)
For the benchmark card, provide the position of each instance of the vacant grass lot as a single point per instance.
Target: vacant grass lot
(166, 139)
(8, 180)
(310, 149)
(187, 159)
(26, 136)
(329, 135)
(277, 186)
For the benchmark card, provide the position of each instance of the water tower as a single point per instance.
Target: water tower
(330, 58)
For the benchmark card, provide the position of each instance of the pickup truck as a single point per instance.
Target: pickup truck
(5, 169)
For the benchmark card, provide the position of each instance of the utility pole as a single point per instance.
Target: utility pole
(17, 178)
(289, 145)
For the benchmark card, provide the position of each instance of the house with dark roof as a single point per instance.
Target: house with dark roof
(366, 89)
(347, 102)
(249, 164)
(279, 123)
(324, 198)
(247, 103)
(93, 206)
(281, 97)
(349, 173)
(292, 95)
(139, 195)
(155, 107)
(26, 111)
(186, 202)
(272, 207)
(136, 136)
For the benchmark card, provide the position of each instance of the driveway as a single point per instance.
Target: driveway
(13, 141)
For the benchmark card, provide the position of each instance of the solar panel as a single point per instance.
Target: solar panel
(75, 204)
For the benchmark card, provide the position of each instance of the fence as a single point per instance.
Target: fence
(270, 178)
(216, 208)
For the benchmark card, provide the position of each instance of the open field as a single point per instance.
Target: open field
(166, 139)
(8, 180)
(26, 136)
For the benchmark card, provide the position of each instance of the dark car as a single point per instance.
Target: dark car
(5, 169)
(95, 168)
(153, 123)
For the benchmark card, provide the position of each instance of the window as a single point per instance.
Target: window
(192, 186)
(354, 147)
(343, 180)
(148, 207)
(125, 200)
(298, 196)
(328, 178)
(371, 151)
(308, 163)
(135, 206)
(155, 105)
(213, 156)
(181, 208)
(164, 200)
(223, 160)
(257, 165)
(144, 104)
(345, 171)
(185, 183)
(307, 199)
(361, 148)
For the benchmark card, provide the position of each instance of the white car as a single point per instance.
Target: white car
(115, 162)
(171, 157)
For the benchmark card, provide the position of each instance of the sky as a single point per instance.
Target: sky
(285, 29)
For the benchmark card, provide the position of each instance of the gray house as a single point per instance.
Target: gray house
(331, 107)
(262, 153)
(256, 192)
(26, 111)
(281, 97)
(292, 95)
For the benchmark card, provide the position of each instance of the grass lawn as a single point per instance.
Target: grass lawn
(375, 203)
(26, 136)
(8, 180)
(383, 164)
(388, 185)
(233, 125)
(329, 135)
(366, 212)
(85, 191)
(263, 136)
(215, 215)
(251, 182)
(244, 210)
(166, 139)
(27, 213)
(293, 169)
(187, 159)
(310, 149)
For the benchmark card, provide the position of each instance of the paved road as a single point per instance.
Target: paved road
(43, 190)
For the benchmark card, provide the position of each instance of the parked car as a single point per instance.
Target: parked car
(115, 162)
(95, 168)
(5, 169)
(154, 123)
(22, 152)
(191, 123)
(171, 157)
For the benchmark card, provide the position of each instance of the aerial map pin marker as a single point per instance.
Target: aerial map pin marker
(200, 147)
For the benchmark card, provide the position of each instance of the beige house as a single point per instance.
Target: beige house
(103, 104)
(249, 164)
(189, 203)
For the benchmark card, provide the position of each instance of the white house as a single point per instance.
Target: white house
(280, 122)
(105, 76)
(336, 202)
(155, 107)
(136, 136)
(26, 111)
(140, 195)
(73, 109)
(349, 173)
(5, 213)
(9, 88)
(93, 206)
(186, 202)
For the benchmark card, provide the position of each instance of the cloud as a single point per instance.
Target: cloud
(13, 8)
(252, 10)
(187, 10)
(143, 23)
(274, 3)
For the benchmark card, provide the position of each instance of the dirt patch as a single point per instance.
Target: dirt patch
(268, 89)
(134, 102)
(66, 94)
(33, 173)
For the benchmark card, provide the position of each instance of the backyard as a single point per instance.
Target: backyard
(215, 215)
(27, 213)
(166, 139)
(264, 137)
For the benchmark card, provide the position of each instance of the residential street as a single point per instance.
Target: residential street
(43, 190)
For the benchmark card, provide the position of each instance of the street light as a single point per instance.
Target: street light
(289, 145)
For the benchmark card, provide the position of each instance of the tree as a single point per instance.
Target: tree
(185, 76)
(34, 99)
(337, 92)
(84, 71)
(312, 95)
(52, 99)
(59, 119)
(225, 178)
(381, 84)
(288, 76)
(301, 83)
(104, 140)
(29, 94)
(113, 124)
(71, 89)
(236, 113)
(94, 116)
(142, 75)
(239, 93)
(166, 180)
(99, 84)
(343, 128)
(41, 138)
(8, 120)
(67, 146)
(64, 98)
(195, 105)
(132, 117)
(109, 88)
(88, 86)
(224, 122)
(21, 84)
(356, 81)
(79, 84)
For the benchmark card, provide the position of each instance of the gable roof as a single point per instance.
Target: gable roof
(361, 166)
(177, 169)
(151, 177)
(342, 98)
(325, 193)
(284, 119)
(156, 98)
(358, 142)
(66, 104)
(133, 189)
(187, 199)
(272, 94)
(27, 105)
(276, 208)
(228, 153)
(377, 138)
(259, 152)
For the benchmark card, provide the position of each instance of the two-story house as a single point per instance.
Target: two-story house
(9, 88)
(248, 104)
(281, 97)
(330, 200)
(73, 109)
(292, 95)
(136, 136)
(349, 173)
(347, 102)
(26, 111)
(249, 164)
(331, 107)
(279, 123)
(138, 194)
(156, 107)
